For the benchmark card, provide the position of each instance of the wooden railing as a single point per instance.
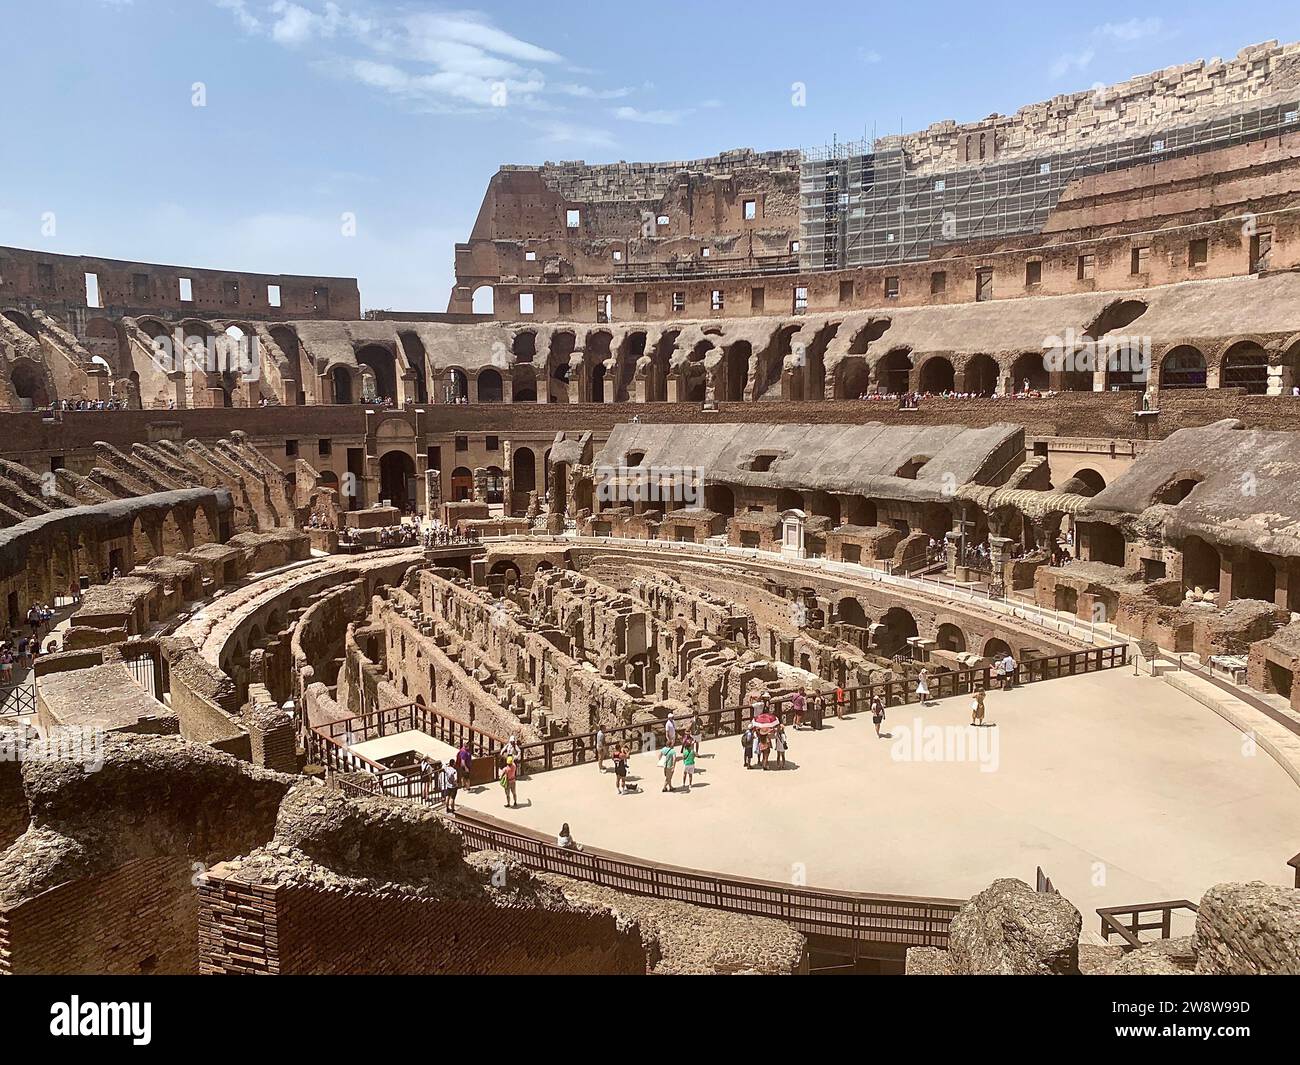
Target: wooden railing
(837, 915)
(561, 751)
(1112, 925)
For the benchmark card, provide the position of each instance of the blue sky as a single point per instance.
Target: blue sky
(398, 113)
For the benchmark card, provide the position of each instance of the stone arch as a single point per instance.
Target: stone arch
(416, 362)
(981, 375)
(850, 612)
(995, 647)
(523, 470)
(852, 378)
(1091, 479)
(949, 637)
(381, 360)
(341, 385)
(397, 479)
(1201, 565)
(893, 371)
(1029, 373)
(490, 387)
(457, 386)
(30, 384)
(937, 375)
(483, 300)
(735, 375)
(1183, 366)
(897, 627)
(1245, 365)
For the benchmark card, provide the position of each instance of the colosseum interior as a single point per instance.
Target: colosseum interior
(292, 590)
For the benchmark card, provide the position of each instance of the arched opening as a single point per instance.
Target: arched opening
(384, 364)
(938, 375)
(341, 382)
(397, 479)
(29, 385)
(1201, 566)
(736, 363)
(524, 385)
(490, 388)
(523, 465)
(852, 379)
(788, 499)
(996, 648)
(457, 386)
(981, 376)
(483, 300)
(563, 345)
(1029, 374)
(850, 612)
(1091, 479)
(719, 499)
(1254, 577)
(462, 484)
(1101, 543)
(893, 372)
(1176, 489)
(949, 637)
(1245, 365)
(897, 627)
(597, 383)
(1182, 367)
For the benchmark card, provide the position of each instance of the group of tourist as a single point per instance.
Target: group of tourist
(87, 404)
(446, 779)
(440, 535)
(912, 400)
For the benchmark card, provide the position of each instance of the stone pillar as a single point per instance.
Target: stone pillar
(432, 493)
(1227, 558)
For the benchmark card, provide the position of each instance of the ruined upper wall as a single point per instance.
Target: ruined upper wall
(1174, 96)
(58, 283)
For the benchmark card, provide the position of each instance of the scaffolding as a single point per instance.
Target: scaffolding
(860, 205)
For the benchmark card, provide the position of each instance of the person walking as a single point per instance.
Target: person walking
(1008, 672)
(670, 731)
(463, 762)
(668, 762)
(977, 708)
(841, 700)
(688, 763)
(923, 687)
(747, 742)
(509, 779)
(877, 713)
(799, 704)
(780, 745)
(601, 752)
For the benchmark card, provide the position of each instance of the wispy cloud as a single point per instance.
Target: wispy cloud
(1072, 61)
(652, 117)
(1109, 35)
(443, 61)
(1135, 29)
(562, 134)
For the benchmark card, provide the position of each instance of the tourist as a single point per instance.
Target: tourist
(668, 762)
(764, 747)
(697, 728)
(923, 687)
(780, 745)
(512, 749)
(449, 785)
(601, 751)
(670, 731)
(799, 702)
(747, 742)
(977, 708)
(841, 701)
(1008, 672)
(877, 712)
(620, 769)
(756, 747)
(463, 761)
(509, 777)
(688, 761)
(565, 839)
(819, 711)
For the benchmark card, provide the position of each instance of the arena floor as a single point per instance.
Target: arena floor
(1123, 789)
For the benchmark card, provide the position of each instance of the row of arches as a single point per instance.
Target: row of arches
(898, 625)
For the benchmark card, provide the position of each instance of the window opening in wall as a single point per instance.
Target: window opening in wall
(891, 288)
(800, 299)
(605, 307)
(757, 299)
(572, 218)
(662, 220)
(938, 283)
(940, 185)
(462, 443)
(1198, 252)
(984, 284)
(679, 301)
(525, 303)
(92, 290)
(273, 295)
(565, 303)
(618, 256)
(640, 303)
(1034, 272)
(751, 210)
(492, 443)
(324, 447)
(794, 247)
(715, 299)
(530, 256)
(1139, 261)
(846, 291)
(1087, 267)
(705, 252)
(291, 449)
(140, 287)
(186, 290)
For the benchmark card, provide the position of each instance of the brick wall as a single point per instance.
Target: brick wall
(139, 918)
(294, 930)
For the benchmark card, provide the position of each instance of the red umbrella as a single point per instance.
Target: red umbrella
(766, 721)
